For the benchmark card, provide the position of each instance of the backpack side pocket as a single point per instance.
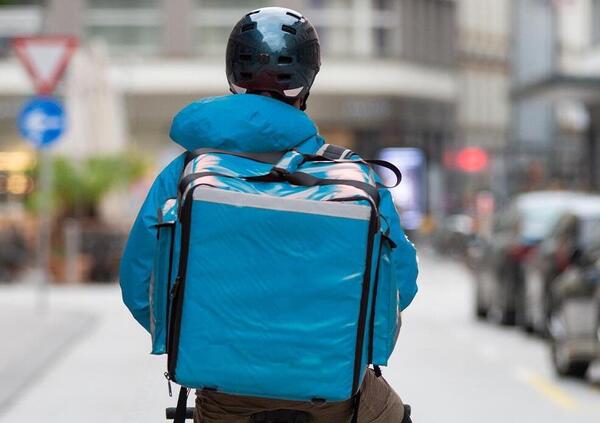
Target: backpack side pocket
(162, 275)
(386, 321)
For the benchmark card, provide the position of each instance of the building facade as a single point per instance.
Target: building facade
(483, 103)
(388, 75)
(556, 92)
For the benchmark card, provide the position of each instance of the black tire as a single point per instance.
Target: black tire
(507, 317)
(502, 310)
(568, 368)
(520, 306)
(500, 314)
(528, 328)
(481, 311)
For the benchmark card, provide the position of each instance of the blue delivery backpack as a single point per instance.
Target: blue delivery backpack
(273, 276)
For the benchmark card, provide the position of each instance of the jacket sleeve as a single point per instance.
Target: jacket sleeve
(138, 257)
(404, 256)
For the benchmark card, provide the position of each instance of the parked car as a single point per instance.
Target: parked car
(453, 235)
(574, 232)
(498, 262)
(575, 315)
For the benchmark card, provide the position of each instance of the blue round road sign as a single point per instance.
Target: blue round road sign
(42, 121)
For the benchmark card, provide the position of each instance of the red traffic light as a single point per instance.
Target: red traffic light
(472, 159)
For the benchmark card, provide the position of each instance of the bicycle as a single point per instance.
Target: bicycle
(278, 416)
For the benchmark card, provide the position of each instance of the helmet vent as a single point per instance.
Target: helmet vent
(249, 27)
(246, 75)
(289, 29)
(245, 57)
(284, 77)
(285, 60)
(294, 15)
(254, 12)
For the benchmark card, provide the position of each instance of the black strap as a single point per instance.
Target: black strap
(268, 158)
(407, 412)
(382, 163)
(335, 152)
(180, 412)
(189, 178)
(377, 370)
(356, 407)
(307, 180)
(374, 309)
(296, 178)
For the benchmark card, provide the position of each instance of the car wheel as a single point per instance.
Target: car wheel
(481, 311)
(520, 306)
(500, 310)
(500, 314)
(528, 326)
(566, 367)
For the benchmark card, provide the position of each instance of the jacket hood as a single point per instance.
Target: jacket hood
(241, 123)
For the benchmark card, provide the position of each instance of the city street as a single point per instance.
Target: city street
(449, 367)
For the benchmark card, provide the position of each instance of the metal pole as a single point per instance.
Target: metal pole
(72, 234)
(45, 184)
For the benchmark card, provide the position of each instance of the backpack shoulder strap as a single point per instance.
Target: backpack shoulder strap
(269, 158)
(334, 152)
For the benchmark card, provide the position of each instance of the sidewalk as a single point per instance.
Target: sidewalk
(67, 365)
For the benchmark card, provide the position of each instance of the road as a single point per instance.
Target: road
(449, 367)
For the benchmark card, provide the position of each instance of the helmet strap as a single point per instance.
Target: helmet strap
(304, 100)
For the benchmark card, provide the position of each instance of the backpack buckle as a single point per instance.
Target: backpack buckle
(279, 173)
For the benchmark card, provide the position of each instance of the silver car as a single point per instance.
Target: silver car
(498, 262)
(576, 229)
(575, 318)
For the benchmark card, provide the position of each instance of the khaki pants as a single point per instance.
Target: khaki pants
(379, 404)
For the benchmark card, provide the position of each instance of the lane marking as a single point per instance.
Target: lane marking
(550, 390)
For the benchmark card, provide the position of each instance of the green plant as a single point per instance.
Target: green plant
(80, 186)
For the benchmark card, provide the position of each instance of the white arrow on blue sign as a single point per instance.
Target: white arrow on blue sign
(42, 121)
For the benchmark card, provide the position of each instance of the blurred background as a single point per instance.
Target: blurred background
(491, 108)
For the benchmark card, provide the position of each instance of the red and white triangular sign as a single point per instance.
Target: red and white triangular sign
(45, 58)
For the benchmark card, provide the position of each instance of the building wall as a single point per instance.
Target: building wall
(483, 111)
(389, 69)
(381, 52)
(554, 39)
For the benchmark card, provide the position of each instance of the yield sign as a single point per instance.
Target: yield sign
(45, 58)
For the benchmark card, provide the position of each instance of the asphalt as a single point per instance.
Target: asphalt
(452, 368)
(86, 360)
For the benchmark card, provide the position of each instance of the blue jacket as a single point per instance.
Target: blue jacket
(240, 123)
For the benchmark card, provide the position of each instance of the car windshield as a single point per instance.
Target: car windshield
(538, 220)
(589, 232)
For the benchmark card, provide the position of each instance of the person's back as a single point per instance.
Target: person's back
(272, 60)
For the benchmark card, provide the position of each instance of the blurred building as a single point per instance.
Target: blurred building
(388, 76)
(556, 94)
(483, 101)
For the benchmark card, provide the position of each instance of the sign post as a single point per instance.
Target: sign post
(42, 122)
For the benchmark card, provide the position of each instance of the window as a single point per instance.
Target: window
(121, 4)
(242, 5)
(125, 25)
(595, 24)
(384, 4)
(428, 31)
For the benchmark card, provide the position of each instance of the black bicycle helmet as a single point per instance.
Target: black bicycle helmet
(274, 50)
